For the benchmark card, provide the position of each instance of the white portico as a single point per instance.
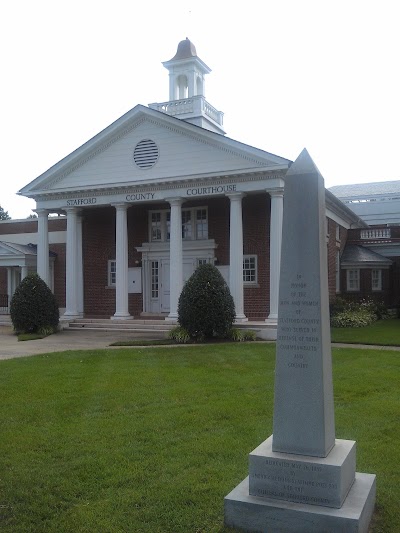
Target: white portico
(170, 189)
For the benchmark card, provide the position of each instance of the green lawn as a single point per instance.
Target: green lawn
(151, 440)
(384, 332)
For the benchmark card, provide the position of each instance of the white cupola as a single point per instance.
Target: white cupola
(186, 90)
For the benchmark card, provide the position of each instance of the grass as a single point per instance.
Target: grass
(382, 332)
(151, 440)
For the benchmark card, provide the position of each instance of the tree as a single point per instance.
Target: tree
(33, 307)
(4, 214)
(206, 307)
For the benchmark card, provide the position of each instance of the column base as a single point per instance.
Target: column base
(70, 315)
(272, 319)
(239, 319)
(121, 316)
(171, 319)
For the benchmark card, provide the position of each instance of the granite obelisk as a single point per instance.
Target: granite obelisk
(301, 479)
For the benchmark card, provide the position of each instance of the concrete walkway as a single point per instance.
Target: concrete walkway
(10, 347)
(83, 339)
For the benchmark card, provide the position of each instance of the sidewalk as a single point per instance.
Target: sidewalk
(10, 347)
(83, 339)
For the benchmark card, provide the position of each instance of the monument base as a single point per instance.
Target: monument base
(265, 515)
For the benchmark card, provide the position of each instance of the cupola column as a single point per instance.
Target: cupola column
(275, 245)
(236, 255)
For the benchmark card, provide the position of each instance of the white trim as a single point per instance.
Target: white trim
(254, 281)
(355, 280)
(377, 281)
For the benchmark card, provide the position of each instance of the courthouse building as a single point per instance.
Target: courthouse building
(157, 193)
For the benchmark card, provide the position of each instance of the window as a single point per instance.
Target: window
(156, 234)
(202, 261)
(337, 270)
(154, 279)
(353, 280)
(186, 224)
(250, 269)
(194, 224)
(112, 272)
(376, 280)
(201, 224)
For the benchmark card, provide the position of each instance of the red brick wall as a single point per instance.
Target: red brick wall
(256, 229)
(99, 247)
(30, 225)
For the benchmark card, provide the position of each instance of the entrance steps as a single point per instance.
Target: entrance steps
(157, 326)
(134, 325)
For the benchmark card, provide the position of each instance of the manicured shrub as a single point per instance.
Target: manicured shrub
(356, 313)
(241, 335)
(353, 319)
(179, 335)
(206, 307)
(33, 307)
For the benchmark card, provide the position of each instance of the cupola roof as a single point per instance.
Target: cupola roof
(186, 49)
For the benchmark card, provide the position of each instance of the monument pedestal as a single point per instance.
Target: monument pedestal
(266, 515)
(287, 492)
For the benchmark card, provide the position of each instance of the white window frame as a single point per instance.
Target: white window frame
(353, 281)
(165, 224)
(112, 273)
(337, 271)
(250, 257)
(376, 280)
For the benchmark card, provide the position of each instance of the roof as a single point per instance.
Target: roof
(355, 253)
(359, 190)
(186, 49)
(25, 249)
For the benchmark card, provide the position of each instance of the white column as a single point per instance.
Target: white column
(43, 245)
(236, 255)
(79, 264)
(121, 256)
(175, 258)
(71, 287)
(9, 285)
(275, 245)
(24, 271)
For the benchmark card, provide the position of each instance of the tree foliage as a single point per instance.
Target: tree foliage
(206, 307)
(4, 214)
(34, 307)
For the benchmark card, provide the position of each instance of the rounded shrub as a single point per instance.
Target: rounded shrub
(353, 319)
(206, 307)
(33, 307)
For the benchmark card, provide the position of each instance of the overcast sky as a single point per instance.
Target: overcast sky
(288, 74)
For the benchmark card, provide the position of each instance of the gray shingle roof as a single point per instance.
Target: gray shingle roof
(354, 253)
(361, 190)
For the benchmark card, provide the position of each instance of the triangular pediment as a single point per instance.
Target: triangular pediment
(11, 249)
(146, 147)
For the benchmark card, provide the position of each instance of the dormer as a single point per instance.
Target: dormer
(187, 90)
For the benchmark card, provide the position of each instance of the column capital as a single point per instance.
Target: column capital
(41, 212)
(235, 195)
(72, 210)
(121, 206)
(275, 193)
(176, 200)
